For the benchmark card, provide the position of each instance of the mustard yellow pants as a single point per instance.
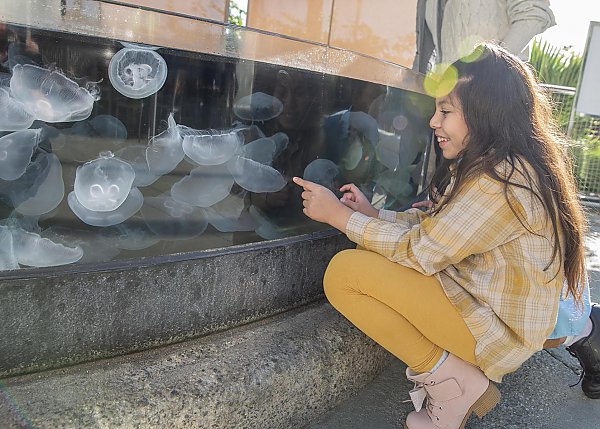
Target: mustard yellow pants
(403, 310)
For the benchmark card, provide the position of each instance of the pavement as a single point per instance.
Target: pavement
(537, 396)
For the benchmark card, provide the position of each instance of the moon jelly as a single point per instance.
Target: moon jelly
(135, 156)
(137, 72)
(33, 250)
(257, 107)
(16, 150)
(229, 215)
(49, 96)
(210, 147)
(254, 176)
(204, 186)
(173, 220)
(103, 184)
(50, 192)
(164, 150)
(366, 125)
(13, 116)
(261, 150)
(321, 171)
(124, 211)
(8, 259)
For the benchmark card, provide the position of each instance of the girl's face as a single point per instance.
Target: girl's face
(450, 126)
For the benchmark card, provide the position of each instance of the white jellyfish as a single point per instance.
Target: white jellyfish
(281, 143)
(33, 250)
(132, 203)
(321, 171)
(254, 176)
(96, 247)
(172, 219)
(366, 125)
(137, 72)
(396, 183)
(265, 228)
(353, 154)
(14, 192)
(393, 151)
(8, 259)
(50, 192)
(134, 235)
(165, 150)
(261, 150)
(104, 183)
(135, 155)
(16, 150)
(257, 107)
(204, 186)
(13, 116)
(49, 96)
(108, 127)
(210, 147)
(229, 215)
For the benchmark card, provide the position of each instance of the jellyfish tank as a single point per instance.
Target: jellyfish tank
(145, 177)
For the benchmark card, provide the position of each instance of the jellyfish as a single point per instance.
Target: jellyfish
(353, 154)
(33, 250)
(257, 107)
(396, 183)
(132, 203)
(388, 149)
(16, 150)
(228, 215)
(8, 259)
(49, 96)
(210, 147)
(173, 220)
(254, 176)
(281, 143)
(108, 127)
(5, 80)
(204, 186)
(322, 171)
(96, 247)
(260, 150)
(366, 125)
(104, 183)
(48, 194)
(14, 192)
(266, 228)
(135, 155)
(137, 72)
(13, 116)
(135, 235)
(165, 150)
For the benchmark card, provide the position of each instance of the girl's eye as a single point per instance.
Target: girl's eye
(445, 112)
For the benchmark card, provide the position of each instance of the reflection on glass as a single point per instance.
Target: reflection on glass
(206, 161)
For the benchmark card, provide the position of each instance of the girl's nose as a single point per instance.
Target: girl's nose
(434, 121)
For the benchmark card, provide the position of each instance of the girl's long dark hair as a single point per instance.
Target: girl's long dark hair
(509, 118)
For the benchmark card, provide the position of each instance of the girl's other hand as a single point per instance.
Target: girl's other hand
(426, 204)
(356, 200)
(322, 205)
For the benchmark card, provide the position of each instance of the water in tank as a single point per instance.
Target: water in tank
(112, 149)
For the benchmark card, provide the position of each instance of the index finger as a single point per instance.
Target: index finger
(306, 184)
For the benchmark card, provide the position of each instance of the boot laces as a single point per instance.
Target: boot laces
(574, 354)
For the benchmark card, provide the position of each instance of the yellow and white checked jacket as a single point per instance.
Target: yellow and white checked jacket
(490, 266)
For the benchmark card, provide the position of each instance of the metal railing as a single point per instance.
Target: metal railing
(584, 133)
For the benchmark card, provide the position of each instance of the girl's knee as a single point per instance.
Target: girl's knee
(336, 274)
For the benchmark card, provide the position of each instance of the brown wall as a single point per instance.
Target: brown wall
(380, 28)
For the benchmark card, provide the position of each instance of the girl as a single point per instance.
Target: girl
(466, 293)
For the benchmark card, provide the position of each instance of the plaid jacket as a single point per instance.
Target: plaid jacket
(493, 268)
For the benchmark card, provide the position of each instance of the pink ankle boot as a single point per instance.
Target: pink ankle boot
(451, 393)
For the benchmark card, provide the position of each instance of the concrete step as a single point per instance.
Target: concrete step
(537, 396)
(281, 372)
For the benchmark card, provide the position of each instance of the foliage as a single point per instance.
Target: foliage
(555, 65)
(237, 15)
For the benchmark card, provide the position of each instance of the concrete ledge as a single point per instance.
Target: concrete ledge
(281, 372)
(67, 315)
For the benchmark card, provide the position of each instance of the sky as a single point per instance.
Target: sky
(572, 22)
